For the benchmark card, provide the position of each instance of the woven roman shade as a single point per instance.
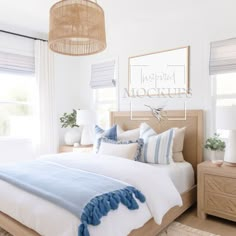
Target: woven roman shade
(17, 63)
(223, 57)
(103, 75)
(77, 27)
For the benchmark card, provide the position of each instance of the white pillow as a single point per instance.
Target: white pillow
(158, 148)
(132, 134)
(130, 150)
(122, 150)
(178, 144)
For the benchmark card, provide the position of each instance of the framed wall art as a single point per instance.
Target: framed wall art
(160, 74)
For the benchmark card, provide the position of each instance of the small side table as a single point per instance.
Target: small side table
(216, 191)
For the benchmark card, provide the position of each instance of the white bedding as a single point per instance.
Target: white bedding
(181, 174)
(49, 220)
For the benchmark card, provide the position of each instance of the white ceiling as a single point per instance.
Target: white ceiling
(32, 16)
(25, 15)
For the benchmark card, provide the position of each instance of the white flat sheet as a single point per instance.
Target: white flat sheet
(181, 174)
(50, 220)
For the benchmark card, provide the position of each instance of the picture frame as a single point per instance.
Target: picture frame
(163, 73)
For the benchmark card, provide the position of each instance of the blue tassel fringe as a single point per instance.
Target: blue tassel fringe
(101, 205)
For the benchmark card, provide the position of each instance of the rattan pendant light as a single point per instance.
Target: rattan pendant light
(77, 28)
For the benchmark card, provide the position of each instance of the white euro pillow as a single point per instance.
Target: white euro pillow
(128, 135)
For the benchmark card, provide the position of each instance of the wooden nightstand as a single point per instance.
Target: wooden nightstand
(216, 191)
(66, 148)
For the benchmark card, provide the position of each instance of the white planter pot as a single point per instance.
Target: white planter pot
(72, 136)
(220, 155)
(216, 155)
(212, 155)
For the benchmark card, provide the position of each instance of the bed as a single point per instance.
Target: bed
(192, 152)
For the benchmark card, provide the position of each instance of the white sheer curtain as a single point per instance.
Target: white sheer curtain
(47, 133)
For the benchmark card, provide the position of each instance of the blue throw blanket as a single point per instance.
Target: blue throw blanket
(88, 196)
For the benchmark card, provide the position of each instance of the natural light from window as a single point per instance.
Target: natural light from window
(225, 94)
(226, 89)
(17, 95)
(105, 101)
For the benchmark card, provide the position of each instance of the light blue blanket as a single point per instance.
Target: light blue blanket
(87, 195)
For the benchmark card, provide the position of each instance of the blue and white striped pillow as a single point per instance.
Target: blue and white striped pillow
(101, 133)
(146, 131)
(158, 148)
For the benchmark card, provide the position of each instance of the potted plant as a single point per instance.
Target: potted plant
(68, 120)
(215, 145)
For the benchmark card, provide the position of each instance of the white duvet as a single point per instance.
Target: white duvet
(50, 220)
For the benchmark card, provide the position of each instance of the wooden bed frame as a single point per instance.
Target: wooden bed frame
(192, 153)
(193, 143)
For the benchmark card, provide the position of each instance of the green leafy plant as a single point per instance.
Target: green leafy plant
(215, 143)
(68, 120)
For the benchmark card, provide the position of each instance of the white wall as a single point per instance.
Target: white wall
(15, 44)
(137, 27)
(70, 87)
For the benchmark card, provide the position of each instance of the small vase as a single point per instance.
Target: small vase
(212, 155)
(72, 136)
(216, 155)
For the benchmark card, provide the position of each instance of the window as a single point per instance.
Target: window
(17, 94)
(103, 82)
(105, 101)
(225, 100)
(226, 89)
(222, 68)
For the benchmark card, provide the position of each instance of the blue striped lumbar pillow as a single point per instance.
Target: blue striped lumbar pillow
(158, 148)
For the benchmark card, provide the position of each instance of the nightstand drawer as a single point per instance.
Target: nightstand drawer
(220, 205)
(220, 184)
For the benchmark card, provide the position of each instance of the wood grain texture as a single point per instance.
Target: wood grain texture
(212, 224)
(152, 229)
(219, 184)
(217, 191)
(14, 227)
(67, 148)
(216, 204)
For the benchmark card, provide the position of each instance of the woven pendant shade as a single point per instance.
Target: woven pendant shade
(77, 27)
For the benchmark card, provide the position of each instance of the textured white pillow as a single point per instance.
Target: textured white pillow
(132, 134)
(178, 144)
(121, 150)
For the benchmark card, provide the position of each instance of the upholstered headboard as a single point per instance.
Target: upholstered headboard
(193, 142)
